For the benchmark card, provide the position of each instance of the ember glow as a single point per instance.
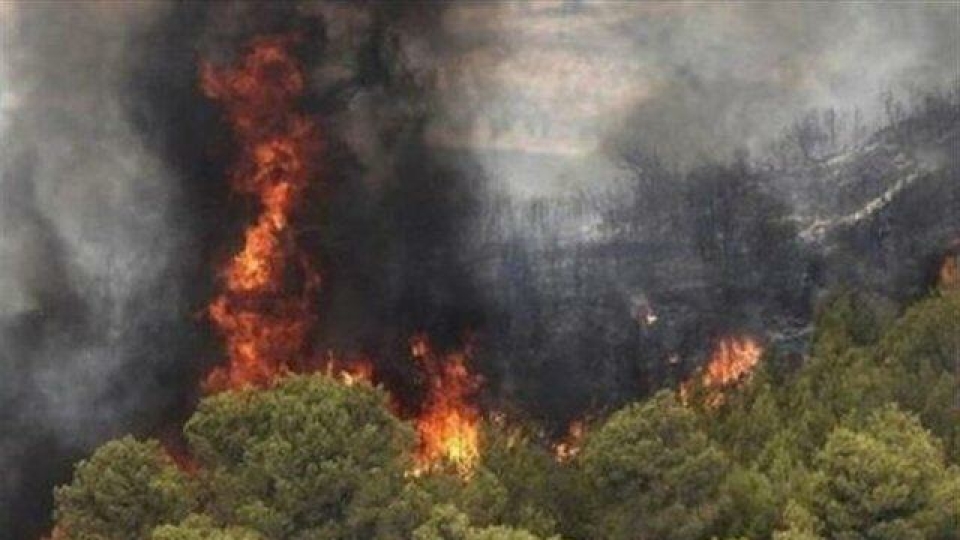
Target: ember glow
(570, 445)
(349, 371)
(448, 423)
(949, 274)
(733, 359)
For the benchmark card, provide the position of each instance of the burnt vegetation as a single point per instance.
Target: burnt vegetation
(845, 426)
(599, 308)
(859, 441)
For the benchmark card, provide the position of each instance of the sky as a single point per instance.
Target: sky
(689, 80)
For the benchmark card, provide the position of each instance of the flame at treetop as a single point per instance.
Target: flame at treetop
(570, 445)
(268, 288)
(264, 309)
(448, 423)
(731, 361)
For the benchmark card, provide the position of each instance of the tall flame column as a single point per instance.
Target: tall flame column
(263, 309)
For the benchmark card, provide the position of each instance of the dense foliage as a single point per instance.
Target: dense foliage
(860, 440)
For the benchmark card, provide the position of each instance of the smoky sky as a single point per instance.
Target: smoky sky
(114, 210)
(91, 244)
(690, 81)
(113, 206)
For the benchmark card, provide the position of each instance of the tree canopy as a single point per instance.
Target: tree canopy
(125, 489)
(858, 441)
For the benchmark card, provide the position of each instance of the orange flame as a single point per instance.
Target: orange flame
(448, 424)
(264, 311)
(349, 371)
(267, 289)
(570, 445)
(949, 275)
(733, 360)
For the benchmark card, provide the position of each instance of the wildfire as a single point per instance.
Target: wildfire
(949, 275)
(267, 289)
(349, 371)
(733, 360)
(448, 424)
(570, 445)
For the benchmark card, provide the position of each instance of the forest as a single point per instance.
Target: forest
(847, 426)
(859, 441)
(538, 270)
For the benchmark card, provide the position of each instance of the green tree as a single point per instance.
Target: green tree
(850, 320)
(448, 523)
(747, 418)
(922, 353)
(123, 491)
(882, 482)
(653, 473)
(522, 482)
(824, 451)
(515, 483)
(309, 458)
(800, 524)
(837, 386)
(198, 527)
(750, 504)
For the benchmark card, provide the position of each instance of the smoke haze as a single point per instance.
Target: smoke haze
(114, 208)
(90, 242)
(691, 81)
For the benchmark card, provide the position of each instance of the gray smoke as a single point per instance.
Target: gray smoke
(109, 207)
(576, 81)
(88, 242)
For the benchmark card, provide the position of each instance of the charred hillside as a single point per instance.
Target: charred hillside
(452, 222)
(610, 293)
(884, 212)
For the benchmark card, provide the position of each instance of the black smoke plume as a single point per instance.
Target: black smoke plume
(450, 203)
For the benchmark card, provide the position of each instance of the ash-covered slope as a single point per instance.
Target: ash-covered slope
(603, 295)
(882, 214)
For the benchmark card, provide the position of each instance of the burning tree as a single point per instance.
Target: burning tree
(264, 320)
(448, 424)
(732, 361)
(309, 457)
(265, 310)
(817, 454)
